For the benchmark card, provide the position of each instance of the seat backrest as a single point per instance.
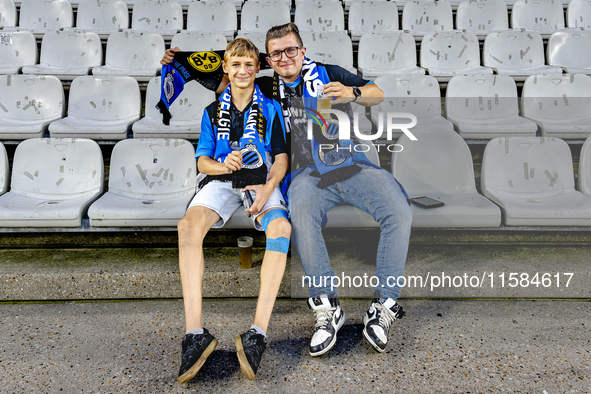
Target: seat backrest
(31, 98)
(539, 15)
(427, 16)
(71, 48)
(527, 166)
(188, 106)
(556, 97)
(513, 49)
(444, 171)
(57, 168)
(18, 49)
(257, 39)
(570, 49)
(387, 51)
(482, 16)
(450, 50)
(584, 178)
(318, 17)
(135, 50)
(7, 13)
(199, 41)
(104, 99)
(152, 166)
(260, 17)
(481, 97)
(157, 15)
(45, 14)
(4, 170)
(212, 16)
(329, 48)
(373, 16)
(415, 94)
(102, 15)
(578, 14)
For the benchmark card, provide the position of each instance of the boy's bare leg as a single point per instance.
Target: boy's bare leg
(192, 230)
(271, 272)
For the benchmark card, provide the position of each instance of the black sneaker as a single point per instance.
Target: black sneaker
(378, 319)
(196, 349)
(250, 347)
(329, 319)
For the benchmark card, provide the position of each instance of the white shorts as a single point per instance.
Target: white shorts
(224, 200)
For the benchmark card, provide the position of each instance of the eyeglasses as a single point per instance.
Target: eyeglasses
(289, 52)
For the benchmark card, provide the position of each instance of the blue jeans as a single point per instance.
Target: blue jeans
(372, 190)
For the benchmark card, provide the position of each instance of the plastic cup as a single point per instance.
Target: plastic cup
(245, 252)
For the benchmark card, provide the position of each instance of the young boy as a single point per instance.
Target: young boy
(241, 150)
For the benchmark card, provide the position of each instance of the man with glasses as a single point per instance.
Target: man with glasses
(325, 179)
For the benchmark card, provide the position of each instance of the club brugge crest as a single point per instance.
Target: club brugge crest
(251, 158)
(205, 61)
(330, 129)
(169, 86)
(321, 156)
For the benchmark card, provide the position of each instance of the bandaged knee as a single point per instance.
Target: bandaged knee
(280, 244)
(272, 215)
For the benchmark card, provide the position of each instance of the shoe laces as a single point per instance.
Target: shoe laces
(323, 316)
(385, 316)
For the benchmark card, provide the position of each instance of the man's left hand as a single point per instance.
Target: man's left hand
(342, 93)
(263, 193)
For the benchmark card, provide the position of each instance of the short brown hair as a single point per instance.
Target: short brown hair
(241, 47)
(281, 31)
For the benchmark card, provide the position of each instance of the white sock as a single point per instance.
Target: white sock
(195, 332)
(258, 330)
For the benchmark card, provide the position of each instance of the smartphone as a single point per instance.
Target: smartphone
(426, 202)
(248, 200)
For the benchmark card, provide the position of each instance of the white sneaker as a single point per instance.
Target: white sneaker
(329, 319)
(378, 320)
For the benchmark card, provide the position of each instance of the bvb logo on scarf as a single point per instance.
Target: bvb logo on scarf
(205, 61)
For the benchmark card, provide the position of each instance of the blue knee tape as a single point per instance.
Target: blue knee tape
(280, 244)
(272, 215)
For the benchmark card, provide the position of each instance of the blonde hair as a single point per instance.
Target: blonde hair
(241, 47)
(281, 31)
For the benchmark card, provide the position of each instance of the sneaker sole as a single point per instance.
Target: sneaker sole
(366, 335)
(334, 340)
(197, 366)
(244, 365)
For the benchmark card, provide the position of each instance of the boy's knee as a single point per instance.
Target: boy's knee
(279, 228)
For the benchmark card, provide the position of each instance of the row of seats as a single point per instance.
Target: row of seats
(419, 17)
(57, 182)
(478, 107)
(518, 53)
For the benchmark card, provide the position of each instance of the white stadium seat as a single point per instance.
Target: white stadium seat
(427, 16)
(578, 14)
(162, 17)
(199, 41)
(388, 53)
(543, 16)
(260, 17)
(559, 104)
(68, 54)
(372, 17)
(482, 16)
(7, 13)
(484, 107)
(570, 50)
(18, 49)
(448, 176)
(53, 183)
(418, 95)
(151, 183)
(532, 180)
(103, 16)
(213, 17)
(101, 108)
(450, 53)
(584, 178)
(41, 16)
(186, 112)
(319, 17)
(133, 53)
(28, 103)
(349, 3)
(518, 53)
(4, 170)
(330, 48)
